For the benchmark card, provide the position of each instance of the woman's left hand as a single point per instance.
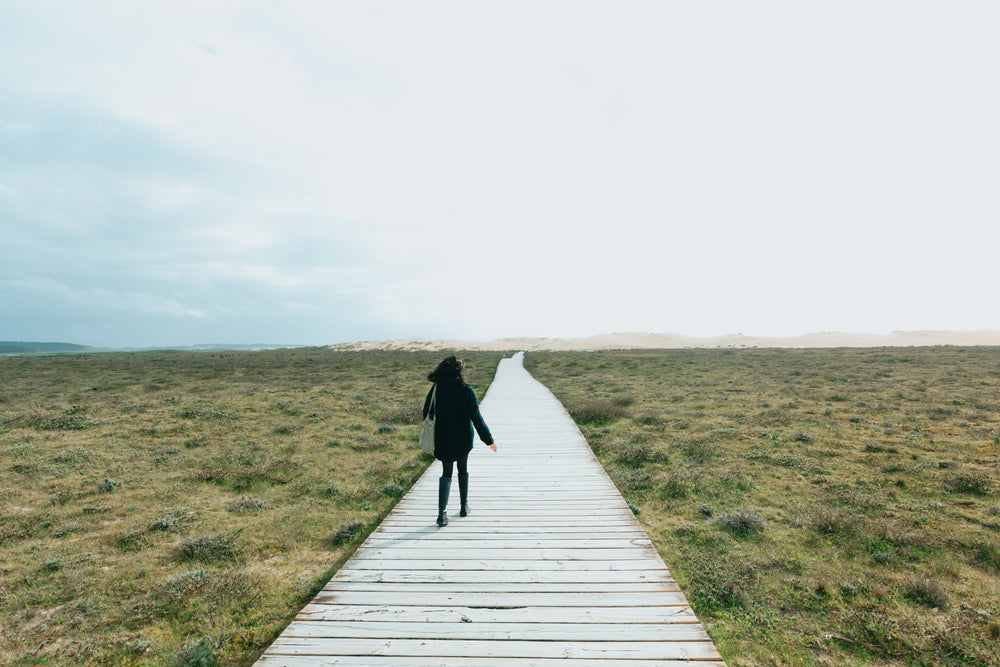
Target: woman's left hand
(493, 446)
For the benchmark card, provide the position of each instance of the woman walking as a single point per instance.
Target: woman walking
(456, 411)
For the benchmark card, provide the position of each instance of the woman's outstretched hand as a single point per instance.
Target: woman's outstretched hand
(493, 446)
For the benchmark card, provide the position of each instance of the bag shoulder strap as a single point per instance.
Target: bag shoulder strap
(431, 409)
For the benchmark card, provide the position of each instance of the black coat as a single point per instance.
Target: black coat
(457, 411)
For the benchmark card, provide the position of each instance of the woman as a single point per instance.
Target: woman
(456, 412)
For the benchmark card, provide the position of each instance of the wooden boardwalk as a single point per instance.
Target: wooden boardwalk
(550, 567)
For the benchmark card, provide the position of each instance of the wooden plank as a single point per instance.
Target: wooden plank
(557, 532)
(505, 587)
(463, 553)
(453, 537)
(493, 543)
(488, 541)
(478, 521)
(635, 564)
(504, 576)
(516, 631)
(518, 503)
(572, 615)
(659, 650)
(383, 661)
(542, 514)
(514, 510)
(405, 535)
(449, 598)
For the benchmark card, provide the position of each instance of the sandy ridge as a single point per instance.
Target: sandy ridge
(641, 341)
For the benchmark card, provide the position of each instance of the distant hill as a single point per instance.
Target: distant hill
(12, 347)
(647, 341)
(30, 347)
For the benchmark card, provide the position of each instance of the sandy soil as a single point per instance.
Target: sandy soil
(639, 341)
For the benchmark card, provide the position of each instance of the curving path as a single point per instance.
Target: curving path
(550, 566)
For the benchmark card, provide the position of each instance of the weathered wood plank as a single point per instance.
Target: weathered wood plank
(516, 631)
(472, 532)
(653, 650)
(552, 502)
(332, 612)
(511, 587)
(513, 524)
(515, 513)
(511, 543)
(501, 564)
(382, 661)
(449, 598)
(557, 532)
(503, 576)
(462, 553)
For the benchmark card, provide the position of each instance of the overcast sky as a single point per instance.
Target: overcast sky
(317, 172)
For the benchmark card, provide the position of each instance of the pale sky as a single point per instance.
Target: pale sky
(176, 173)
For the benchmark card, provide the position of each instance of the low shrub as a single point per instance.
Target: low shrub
(630, 480)
(248, 504)
(883, 557)
(673, 487)
(720, 583)
(393, 490)
(637, 454)
(400, 414)
(131, 542)
(187, 581)
(985, 555)
(211, 548)
(973, 481)
(170, 521)
(927, 592)
(597, 411)
(197, 654)
(241, 470)
(347, 532)
(790, 461)
(699, 451)
(832, 521)
(742, 523)
(847, 589)
(67, 528)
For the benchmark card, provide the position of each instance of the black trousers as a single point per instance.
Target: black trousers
(463, 466)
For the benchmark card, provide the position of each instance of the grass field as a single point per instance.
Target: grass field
(817, 506)
(181, 507)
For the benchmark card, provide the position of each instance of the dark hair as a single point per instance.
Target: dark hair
(449, 372)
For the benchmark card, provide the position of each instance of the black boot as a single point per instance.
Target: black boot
(463, 492)
(444, 486)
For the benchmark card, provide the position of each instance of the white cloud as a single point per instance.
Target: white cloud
(563, 168)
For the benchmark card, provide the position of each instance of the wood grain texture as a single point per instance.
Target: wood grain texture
(551, 565)
(383, 661)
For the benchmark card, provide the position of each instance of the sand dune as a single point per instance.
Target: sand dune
(649, 341)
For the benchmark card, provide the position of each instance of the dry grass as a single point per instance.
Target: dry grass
(180, 508)
(817, 506)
